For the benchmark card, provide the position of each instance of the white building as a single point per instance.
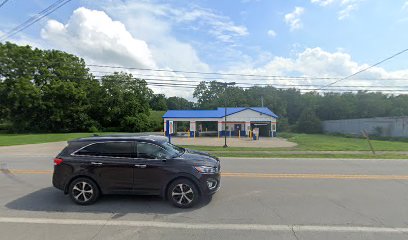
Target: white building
(239, 121)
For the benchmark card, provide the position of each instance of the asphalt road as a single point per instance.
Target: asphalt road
(259, 199)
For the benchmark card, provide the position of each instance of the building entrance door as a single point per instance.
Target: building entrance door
(237, 128)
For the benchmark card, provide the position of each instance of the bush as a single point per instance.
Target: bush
(285, 135)
(140, 123)
(308, 122)
(282, 125)
(93, 129)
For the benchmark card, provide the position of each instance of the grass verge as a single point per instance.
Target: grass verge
(321, 142)
(19, 139)
(350, 156)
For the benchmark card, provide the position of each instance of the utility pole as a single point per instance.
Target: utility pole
(262, 101)
(225, 84)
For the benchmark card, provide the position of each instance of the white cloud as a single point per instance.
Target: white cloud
(271, 33)
(94, 35)
(322, 2)
(346, 6)
(155, 23)
(293, 18)
(144, 42)
(219, 26)
(315, 62)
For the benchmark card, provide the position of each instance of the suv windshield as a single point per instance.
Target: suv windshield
(173, 150)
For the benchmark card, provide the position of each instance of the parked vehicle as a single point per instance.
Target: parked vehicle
(145, 165)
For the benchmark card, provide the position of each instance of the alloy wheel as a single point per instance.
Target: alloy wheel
(82, 192)
(183, 194)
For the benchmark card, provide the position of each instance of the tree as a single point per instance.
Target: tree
(158, 102)
(208, 94)
(179, 103)
(124, 102)
(44, 90)
(308, 122)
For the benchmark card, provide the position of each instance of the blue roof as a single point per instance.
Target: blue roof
(219, 113)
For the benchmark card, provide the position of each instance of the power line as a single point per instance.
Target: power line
(255, 84)
(262, 77)
(50, 9)
(2, 3)
(194, 84)
(159, 80)
(278, 78)
(159, 83)
(365, 69)
(206, 73)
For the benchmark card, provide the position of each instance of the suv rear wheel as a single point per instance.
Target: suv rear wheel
(83, 191)
(183, 193)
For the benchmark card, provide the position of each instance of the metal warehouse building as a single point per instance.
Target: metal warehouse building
(239, 121)
(382, 126)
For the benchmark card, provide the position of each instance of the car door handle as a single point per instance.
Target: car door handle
(140, 165)
(96, 163)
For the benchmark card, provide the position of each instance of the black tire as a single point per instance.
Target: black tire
(83, 191)
(183, 193)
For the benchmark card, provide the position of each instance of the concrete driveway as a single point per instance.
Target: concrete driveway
(235, 142)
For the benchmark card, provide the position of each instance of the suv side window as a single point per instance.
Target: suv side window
(108, 149)
(150, 151)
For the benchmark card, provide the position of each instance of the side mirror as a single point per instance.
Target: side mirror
(161, 156)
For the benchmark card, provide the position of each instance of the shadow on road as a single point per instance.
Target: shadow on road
(52, 200)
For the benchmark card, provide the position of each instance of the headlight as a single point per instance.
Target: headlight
(206, 169)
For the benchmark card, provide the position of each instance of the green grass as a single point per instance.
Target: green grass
(306, 142)
(314, 142)
(320, 142)
(18, 139)
(272, 155)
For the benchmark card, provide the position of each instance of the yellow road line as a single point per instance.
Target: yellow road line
(24, 171)
(316, 176)
(258, 175)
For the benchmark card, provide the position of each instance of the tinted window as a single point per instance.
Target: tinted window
(150, 151)
(173, 150)
(108, 149)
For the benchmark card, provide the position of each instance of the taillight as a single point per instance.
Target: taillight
(57, 161)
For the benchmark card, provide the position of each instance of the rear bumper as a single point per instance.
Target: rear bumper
(56, 182)
(60, 176)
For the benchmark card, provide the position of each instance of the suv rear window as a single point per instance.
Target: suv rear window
(108, 149)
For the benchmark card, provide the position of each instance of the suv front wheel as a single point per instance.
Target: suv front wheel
(183, 193)
(83, 191)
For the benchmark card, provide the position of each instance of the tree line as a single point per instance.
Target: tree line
(53, 91)
(303, 112)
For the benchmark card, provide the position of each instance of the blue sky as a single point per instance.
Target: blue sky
(275, 37)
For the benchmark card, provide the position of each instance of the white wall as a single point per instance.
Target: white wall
(249, 115)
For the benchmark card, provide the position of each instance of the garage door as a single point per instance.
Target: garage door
(264, 128)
